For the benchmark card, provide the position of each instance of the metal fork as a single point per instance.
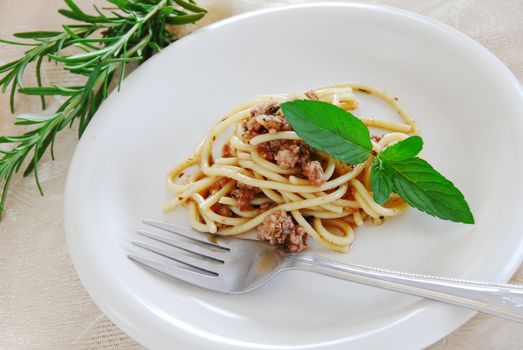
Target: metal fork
(232, 265)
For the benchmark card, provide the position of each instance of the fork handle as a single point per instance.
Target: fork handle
(502, 300)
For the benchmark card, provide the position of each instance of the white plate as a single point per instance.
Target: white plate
(469, 108)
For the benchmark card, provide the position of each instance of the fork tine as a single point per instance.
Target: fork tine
(180, 273)
(200, 264)
(183, 231)
(188, 247)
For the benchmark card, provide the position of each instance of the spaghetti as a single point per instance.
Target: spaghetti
(267, 178)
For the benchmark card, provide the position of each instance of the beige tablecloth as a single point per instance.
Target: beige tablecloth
(43, 305)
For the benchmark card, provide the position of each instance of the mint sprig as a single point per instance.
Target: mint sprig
(395, 169)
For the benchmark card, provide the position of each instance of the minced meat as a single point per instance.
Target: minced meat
(215, 187)
(226, 150)
(265, 118)
(297, 240)
(280, 229)
(288, 157)
(273, 123)
(222, 209)
(244, 194)
(267, 205)
(314, 172)
(288, 154)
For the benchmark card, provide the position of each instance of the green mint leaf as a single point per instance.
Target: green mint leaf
(408, 148)
(330, 129)
(422, 187)
(380, 182)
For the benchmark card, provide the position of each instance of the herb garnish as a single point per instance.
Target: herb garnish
(325, 127)
(397, 168)
(107, 43)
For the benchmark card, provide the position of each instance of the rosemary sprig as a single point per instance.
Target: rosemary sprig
(107, 43)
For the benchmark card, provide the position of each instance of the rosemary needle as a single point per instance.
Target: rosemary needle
(107, 42)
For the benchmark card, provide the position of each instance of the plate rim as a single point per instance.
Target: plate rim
(460, 317)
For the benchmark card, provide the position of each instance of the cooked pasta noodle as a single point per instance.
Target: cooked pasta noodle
(247, 186)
